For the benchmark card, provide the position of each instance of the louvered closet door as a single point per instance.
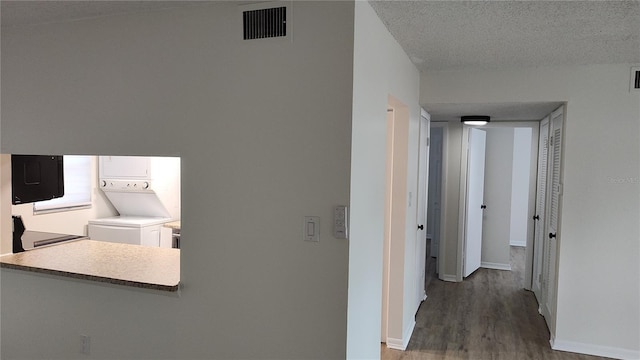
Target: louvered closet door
(541, 193)
(553, 213)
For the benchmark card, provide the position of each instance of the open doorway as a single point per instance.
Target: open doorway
(499, 193)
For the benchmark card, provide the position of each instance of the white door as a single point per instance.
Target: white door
(539, 217)
(421, 213)
(435, 188)
(554, 193)
(475, 201)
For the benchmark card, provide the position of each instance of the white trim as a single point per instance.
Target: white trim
(462, 202)
(408, 331)
(495, 266)
(401, 344)
(396, 344)
(443, 192)
(518, 243)
(597, 350)
(450, 278)
(425, 114)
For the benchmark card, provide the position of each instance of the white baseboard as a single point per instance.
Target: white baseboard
(495, 266)
(401, 344)
(450, 278)
(393, 343)
(518, 243)
(597, 350)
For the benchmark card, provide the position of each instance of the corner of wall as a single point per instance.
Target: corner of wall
(5, 205)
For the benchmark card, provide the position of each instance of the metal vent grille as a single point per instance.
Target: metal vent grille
(265, 23)
(635, 79)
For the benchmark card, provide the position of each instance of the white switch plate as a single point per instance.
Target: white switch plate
(311, 228)
(340, 222)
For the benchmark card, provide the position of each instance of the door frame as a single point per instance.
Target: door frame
(443, 191)
(550, 289)
(422, 198)
(462, 204)
(395, 233)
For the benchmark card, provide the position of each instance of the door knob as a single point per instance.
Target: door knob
(420, 227)
(552, 235)
(483, 206)
(536, 217)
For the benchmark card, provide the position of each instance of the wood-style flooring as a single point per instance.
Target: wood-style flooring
(487, 316)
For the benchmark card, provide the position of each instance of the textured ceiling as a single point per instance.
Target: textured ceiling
(445, 35)
(442, 35)
(497, 111)
(451, 35)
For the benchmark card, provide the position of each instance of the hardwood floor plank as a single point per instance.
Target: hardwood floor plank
(487, 316)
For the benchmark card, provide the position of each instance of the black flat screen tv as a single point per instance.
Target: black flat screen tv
(36, 178)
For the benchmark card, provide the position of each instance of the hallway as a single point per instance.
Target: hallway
(487, 316)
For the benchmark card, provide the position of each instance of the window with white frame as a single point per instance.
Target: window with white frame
(77, 187)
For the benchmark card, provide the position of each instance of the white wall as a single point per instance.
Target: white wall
(263, 129)
(381, 68)
(520, 186)
(599, 233)
(497, 197)
(68, 222)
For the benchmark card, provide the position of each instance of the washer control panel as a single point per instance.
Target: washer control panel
(125, 185)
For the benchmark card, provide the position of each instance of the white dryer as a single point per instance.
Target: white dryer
(146, 193)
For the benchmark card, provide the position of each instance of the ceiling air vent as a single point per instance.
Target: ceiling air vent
(635, 79)
(265, 23)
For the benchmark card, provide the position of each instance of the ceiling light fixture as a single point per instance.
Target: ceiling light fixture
(475, 120)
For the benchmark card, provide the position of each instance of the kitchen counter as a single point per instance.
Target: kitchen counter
(122, 264)
(175, 225)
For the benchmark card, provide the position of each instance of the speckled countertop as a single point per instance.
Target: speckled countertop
(173, 225)
(122, 264)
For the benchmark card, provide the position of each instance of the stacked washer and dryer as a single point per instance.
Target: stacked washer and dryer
(146, 193)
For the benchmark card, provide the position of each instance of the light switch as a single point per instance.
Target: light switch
(340, 224)
(312, 228)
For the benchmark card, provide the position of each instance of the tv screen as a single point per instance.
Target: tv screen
(36, 178)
